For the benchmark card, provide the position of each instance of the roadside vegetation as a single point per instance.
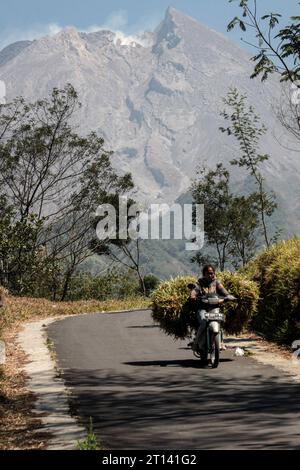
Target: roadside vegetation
(277, 272)
(90, 442)
(19, 426)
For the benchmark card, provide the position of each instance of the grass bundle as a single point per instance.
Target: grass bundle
(176, 316)
(239, 313)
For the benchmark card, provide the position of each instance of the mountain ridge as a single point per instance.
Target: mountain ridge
(156, 103)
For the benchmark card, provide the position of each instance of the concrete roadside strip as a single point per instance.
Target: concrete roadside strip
(267, 354)
(52, 395)
(49, 389)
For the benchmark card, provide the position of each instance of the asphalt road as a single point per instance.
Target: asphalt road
(145, 391)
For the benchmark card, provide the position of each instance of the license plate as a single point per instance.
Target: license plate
(214, 316)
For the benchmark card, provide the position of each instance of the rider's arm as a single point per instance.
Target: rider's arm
(221, 290)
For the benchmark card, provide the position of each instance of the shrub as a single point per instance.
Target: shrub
(114, 284)
(277, 270)
(172, 310)
(90, 443)
(151, 282)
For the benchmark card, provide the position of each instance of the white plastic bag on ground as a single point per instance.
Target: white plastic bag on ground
(239, 352)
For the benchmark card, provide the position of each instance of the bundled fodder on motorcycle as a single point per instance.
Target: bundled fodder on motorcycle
(239, 314)
(171, 308)
(277, 270)
(176, 315)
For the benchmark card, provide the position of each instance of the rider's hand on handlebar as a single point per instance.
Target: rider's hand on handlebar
(230, 297)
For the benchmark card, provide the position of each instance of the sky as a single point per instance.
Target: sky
(31, 19)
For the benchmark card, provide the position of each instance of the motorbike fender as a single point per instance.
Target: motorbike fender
(214, 326)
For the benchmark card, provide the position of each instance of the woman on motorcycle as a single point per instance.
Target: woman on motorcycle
(207, 286)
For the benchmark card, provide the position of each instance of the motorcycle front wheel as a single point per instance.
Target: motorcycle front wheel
(215, 350)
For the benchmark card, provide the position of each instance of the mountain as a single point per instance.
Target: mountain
(156, 100)
(13, 50)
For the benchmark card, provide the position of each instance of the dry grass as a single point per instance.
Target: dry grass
(19, 426)
(172, 311)
(20, 309)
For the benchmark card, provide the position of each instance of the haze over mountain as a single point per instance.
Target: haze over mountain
(156, 100)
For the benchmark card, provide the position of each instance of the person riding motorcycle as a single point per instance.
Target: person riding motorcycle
(207, 286)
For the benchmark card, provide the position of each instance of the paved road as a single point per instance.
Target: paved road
(145, 391)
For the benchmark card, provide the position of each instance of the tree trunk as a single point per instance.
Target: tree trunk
(66, 284)
(142, 283)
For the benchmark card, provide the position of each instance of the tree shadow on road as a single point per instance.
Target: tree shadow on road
(186, 407)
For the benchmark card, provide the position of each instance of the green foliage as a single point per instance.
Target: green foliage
(151, 282)
(244, 224)
(115, 284)
(277, 270)
(230, 220)
(244, 125)
(20, 259)
(176, 316)
(278, 49)
(90, 443)
(54, 180)
(121, 248)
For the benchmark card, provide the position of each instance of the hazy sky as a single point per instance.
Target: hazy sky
(29, 19)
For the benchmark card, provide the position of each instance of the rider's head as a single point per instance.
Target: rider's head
(209, 272)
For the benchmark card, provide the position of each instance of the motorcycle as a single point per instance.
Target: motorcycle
(207, 346)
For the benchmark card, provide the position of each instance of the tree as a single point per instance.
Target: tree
(18, 254)
(245, 221)
(212, 190)
(128, 254)
(53, 174)
(288, 114)
(151, 283)
(246, 128)
(230, 221)
(277, 50)
(122, 248)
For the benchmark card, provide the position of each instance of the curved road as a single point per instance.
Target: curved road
(145, 391)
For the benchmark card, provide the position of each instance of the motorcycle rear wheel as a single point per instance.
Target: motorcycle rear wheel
(204, 358)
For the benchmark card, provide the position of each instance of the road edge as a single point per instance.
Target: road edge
(51, 394)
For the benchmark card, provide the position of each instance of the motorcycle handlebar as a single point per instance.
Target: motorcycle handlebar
(217, 300)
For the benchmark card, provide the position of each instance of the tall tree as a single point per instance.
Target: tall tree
(49, 172)
(230, 220)
(245, 222)
(122, 248)
(245, 126)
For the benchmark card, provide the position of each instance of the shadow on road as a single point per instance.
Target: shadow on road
(143, 393)
(194, 363)
(143, 326)
(193, 409)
